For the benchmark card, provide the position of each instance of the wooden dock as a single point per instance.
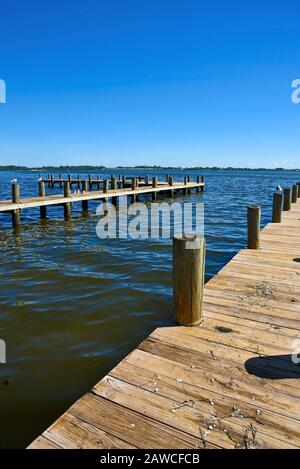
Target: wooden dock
(132, 187)
(229, 383)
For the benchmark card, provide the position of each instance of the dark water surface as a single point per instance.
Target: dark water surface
(73, 305)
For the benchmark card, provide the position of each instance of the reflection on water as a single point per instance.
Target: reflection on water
(73, 305)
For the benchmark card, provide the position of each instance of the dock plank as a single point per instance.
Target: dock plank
(229, 383)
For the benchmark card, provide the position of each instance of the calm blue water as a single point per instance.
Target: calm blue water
(73, 305)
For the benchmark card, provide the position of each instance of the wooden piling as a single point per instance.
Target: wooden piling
(254, 212)
(85, 204)
(287, 199)
(154, 185)
(298, 184)
(98, 183)
(202, 180)
(15, 197)
(188, 278)
(277, 207)
(60, 181)
(90, 182)
(52, 181)
(67, 205)
(42, 193)
(185, 183)
(49, 180)
(78, 181)
(198, 182)
(295, 194)
(113, 184)
(134, 185)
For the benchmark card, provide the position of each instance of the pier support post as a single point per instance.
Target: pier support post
(52, 181)
(60, 181)
(105, 188)
(49, 180)
(85, 203)
(189, 180)
(42, 193)
(277, 207)
(188, 278)
(185, 183)
(15, 196)
(154, 185)
(254, 212)
(287, 199)
(90, 182)
(78, 181)
(202, 180)
(198, 182)
(133, 187)
(170, 182)
(295, 194)
(298, 184)
(67, 205)
(98, 183)
(113, 186)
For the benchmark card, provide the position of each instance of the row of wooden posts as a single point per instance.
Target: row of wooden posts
(189, 259)
(282, 201)
(108, 185)
(119, 182)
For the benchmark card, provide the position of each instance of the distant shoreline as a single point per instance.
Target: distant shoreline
(146, 168)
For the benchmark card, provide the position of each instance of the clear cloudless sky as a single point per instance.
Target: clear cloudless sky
(167, 82)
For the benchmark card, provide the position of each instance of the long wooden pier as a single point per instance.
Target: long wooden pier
(111, 188)
(229, 383)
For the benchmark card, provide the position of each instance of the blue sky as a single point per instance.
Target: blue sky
(150, 82)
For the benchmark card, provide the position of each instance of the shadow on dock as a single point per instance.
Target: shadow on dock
(273, 367)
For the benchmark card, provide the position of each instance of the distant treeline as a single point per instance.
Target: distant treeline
(176, 168)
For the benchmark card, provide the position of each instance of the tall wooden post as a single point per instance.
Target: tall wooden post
(60, 181)
(277, 207)
(185, 183)
(202, 180)
(170, 182)
(188, 278)
(198, 182)
(154, 185)
(42, 193)
(85, 203)
(189, 180)
(52, 181)
(90, 182)
(98, 183)
(15, 197)
(254, 212)
(287, 199)
(78, 181)
(133, 187)
(67, 205)
(113, 184)
(167, 178)
(295, 194)
(49, 180)
(298, 184)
